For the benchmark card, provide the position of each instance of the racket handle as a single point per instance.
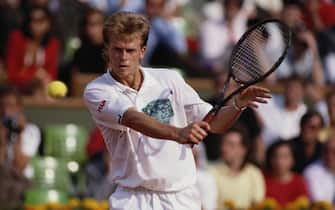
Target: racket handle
(211, 114)
(209, 117)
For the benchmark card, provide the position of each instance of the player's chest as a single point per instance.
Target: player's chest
(157, 102)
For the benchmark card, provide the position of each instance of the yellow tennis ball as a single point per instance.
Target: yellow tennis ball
(57, 89)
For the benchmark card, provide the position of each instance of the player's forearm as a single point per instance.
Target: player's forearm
(225, 118)
(149, 126)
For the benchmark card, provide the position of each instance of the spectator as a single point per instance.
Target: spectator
(163, 36)
(32, 54)
(282, 183)
(88, 58)
(25, 137)
(306, 146)
(329, 130)
(303, 58)
(99, 186)
(319, 18)
(237, 180)
(319, 14)
(205, 180)
(13, 183)
(281, 117)
(315, 99)
(111, 6)
(218, 36)
(320, 176)
(10, 19)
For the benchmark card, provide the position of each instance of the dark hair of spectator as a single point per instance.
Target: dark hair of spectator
(28, 19)
(330, 95)
(298, 3)
(11, 91)
(245, 140)
(85, 21)
(309, 115)
(293, 78)
(237, 2)
(272, 150)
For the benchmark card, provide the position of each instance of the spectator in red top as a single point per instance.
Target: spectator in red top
(319, 14)
(32, 53)
(281, 182)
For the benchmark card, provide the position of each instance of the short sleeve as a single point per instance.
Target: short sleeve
(107, 109)
(195, 107)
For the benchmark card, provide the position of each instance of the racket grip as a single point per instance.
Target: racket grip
(209, 117)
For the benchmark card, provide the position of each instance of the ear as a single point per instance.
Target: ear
(142, 53)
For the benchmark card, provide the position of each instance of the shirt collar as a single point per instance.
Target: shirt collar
(148, 81)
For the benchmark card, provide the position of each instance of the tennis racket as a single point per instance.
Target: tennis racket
(258, 53)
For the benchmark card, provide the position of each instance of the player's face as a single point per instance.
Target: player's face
(124, 55)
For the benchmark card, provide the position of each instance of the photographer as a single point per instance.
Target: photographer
(22, 139)
(12, 181)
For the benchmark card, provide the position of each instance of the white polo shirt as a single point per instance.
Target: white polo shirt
(139, 160)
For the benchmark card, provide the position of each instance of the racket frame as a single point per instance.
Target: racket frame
(213, 112)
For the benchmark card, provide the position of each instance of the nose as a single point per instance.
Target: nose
(123, 54)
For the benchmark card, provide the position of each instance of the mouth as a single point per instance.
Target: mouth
(122, 66)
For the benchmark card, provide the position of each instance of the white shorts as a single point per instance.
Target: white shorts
(143, 199)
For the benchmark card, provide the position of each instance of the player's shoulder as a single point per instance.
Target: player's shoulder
(163, 74)
(99, 85)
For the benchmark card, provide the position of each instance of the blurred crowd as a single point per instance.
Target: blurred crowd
(283, 150)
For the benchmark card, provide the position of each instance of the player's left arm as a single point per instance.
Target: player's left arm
(228, 115)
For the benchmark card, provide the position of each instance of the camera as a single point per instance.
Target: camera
(11, 124)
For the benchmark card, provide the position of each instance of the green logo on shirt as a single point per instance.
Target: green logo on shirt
(160, 109)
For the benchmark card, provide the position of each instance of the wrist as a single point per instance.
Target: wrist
(238, 107)
(174, 133)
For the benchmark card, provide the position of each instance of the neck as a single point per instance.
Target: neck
(309, 148)
(284, 176)
(235, 166)
(291, 106)
(133, 81)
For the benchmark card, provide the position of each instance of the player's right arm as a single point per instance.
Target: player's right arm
(117, 112)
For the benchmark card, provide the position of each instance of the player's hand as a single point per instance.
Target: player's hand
(251, 96)
(194, 133)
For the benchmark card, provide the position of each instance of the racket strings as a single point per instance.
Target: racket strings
(251, 60)
(249, 66)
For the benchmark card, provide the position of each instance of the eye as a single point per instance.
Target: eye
(116, 49)
(131, 50)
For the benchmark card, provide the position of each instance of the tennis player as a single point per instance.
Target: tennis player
(149, 118)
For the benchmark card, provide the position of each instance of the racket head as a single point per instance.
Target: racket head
(251, 59)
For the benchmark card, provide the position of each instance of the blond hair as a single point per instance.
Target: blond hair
(126, 24)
